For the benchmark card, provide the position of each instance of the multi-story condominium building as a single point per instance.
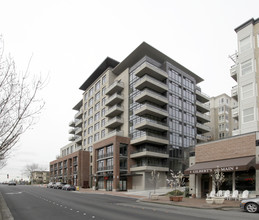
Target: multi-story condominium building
(245, 73)
(221, 121)
(72, 168)
(39, 177)
(139, 115)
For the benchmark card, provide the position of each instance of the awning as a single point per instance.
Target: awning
(229, 165)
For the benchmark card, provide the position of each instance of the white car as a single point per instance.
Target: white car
(250, 205)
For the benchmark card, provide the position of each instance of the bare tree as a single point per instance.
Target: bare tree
(19, 106)
(29, 168)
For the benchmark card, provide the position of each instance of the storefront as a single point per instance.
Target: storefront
(237, 157)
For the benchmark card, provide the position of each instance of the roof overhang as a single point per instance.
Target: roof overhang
(250, 21)
(228, 165)
(145, 49)
(108, 62)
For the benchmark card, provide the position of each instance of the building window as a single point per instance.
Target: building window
(104, 79)
(97, 96)
(97, 116)
(96, 126)
(103, 101)
(96, 136)
(97, 106)
(247, 91)
(91, 102)
(90, 148)
(90, 139)
(245, 44)
(90, 120)
(103, 112)
(90, 130)
(103, 123)
(97, 85)
(91, 92)
(246, 67)
(103, 133)
(90, 111)
(103, 90)
(248, 114)
(85, 96)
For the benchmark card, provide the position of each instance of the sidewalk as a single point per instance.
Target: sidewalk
(163, 199)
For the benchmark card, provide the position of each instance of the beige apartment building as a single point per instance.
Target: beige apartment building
(142, 114)
(39, 177)
(236, 156)
(222, 122)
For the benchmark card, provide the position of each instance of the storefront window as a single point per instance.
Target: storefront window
(227, 184)
(245, 180)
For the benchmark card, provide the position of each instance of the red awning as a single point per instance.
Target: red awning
(229, 165)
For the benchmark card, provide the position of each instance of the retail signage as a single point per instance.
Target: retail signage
(210, 170)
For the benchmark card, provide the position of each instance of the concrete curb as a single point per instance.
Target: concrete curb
(5, 213)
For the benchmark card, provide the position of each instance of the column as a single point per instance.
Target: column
(198, 185)
(233, 181)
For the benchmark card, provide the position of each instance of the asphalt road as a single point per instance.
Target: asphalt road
(38, 203)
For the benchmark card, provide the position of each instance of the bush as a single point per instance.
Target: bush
(176, 193)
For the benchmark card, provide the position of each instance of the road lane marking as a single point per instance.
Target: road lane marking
(13, 193)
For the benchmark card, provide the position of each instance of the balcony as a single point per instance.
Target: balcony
(114, 99)
(148, 137)
(200, 96)
(234, 92)
(150, 96)
(78, 131)
(151, 124)
(72, 131)
(235, 113)
(78, 139)
(150, 82)
(236, 132)
(202, 117)
(149, 153)
(202, 107)
(150, 167)
(72, 123)
(115, 87)
(155, 72)
(104, 169)
(203, 128)
(79, 114)
(147, 109)
(114, 122)
(233, 72)
(201, 137)
(114, 111)
(114, 133)
(79, 122)
(72, 138)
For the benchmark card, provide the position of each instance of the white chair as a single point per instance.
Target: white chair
(244, 195)
(211, 194)
(220, 193)
(234, 195)
(226, 194)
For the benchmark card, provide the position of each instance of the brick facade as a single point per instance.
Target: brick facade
(234, 147)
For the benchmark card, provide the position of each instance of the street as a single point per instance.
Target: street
(38, 203)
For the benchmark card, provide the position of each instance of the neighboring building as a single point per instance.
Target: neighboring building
(72, 169)
(39, 177)
(221, 121)
(139, 115)
(245, 73)
(237, 157)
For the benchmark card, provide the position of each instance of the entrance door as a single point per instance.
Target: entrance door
(205, 185)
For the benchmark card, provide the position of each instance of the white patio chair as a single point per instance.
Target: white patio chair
(234, 195)
(226, 194)
(220, 193)
(244, 195)
(211, 194)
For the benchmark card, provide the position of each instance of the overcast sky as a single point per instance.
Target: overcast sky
(69, 39)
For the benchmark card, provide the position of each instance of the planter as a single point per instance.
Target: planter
(218, 200)
(154, 197)
(176, 198)
(210, 201)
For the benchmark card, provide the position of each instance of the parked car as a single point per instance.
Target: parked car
(250, 205)
(50, 185)
(69, 187)
(12, 183)
(58, 185)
